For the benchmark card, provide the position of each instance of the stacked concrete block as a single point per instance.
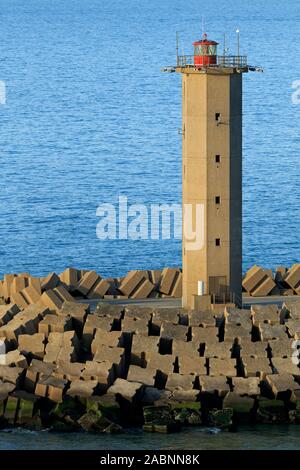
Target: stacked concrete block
(169, 331)
(54, 324)
(142, 347)
(136, 285)
(32, 345)
(108, 338)
(214, 385)
(180, 381)
(128, 390)
(282, 383)
(204, 319)
(51, 387)
(103, 372)
(189, 348)
(204, 335)
(283, 348)
(293, 328)
(145, 376)
(91, 324)
(7, 285)
(13, 359)
(258, 282)
(246, 386)
(271, 332)
(221, 350)
(163, 363)
(69, 370)
(82, 388)
(256, 366)
(237, 332)
(24, 322)
(226, 367)
(7, 312)
(70, 278)
(115, 355)
(171, 282)
(265, 314)
(285, 364)
(50, 281)
(291, 310)
(143, 313)
(137, 326)
(292, 278)
(37, 369)
(192, 364)
(61, 347)
(253, 348)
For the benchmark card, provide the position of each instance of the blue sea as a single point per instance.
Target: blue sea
(89, 117)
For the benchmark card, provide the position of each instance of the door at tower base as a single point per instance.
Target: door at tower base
(212, 179)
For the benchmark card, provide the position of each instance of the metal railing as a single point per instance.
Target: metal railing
(222, 61)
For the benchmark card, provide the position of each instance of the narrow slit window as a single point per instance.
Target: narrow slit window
(218, 116)
(218, 158)
(218, 200)
(218, 241)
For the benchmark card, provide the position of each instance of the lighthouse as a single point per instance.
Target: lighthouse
(212, 172)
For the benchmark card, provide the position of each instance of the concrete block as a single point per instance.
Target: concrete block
(87, 282)
(18, 284)
(264, 288)
(168, 280)
(143, 291)
(204, 319)
(18, 299)
(204, 335)
(281, 383)
(265, 314)
(269, 332)
(11, 374)
(63, 294)
(70, 278)
(131, 282)
(51, 300)
(137, 326)
(170, 331)
(61, 347)
(282, 365)
(128, 390)
(6, 286)
(103, 372)
(246, 386)
(69, 370)
(144, 376)
(256, 366)
(115, 355)
(192, 365)
(291, 310)
(99, 289)
(31, 295)
(177, 288)
(179, 381)
(226, 367)
(282, 347)
(54, 324)
(11, 410)
(36, 370)
(106, 310)
(143, 313)
(5, 389)
(221, 350)
(252, 278)
(107, 338)
(293, 278)
(163, 363)
(91, 324)
(293, 327)
(142, 347)
(237, 333)
(253, 348)
(51, 387)
(189, 348)
(24, 322)
(50, 282)
(7, 312)
(13, 359)
(185, 396)
(214, 385)
(33, 345)
(161, 315)
(154, 276)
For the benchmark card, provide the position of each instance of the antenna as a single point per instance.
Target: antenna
(177, 48)
(224, 49)
(238, 42)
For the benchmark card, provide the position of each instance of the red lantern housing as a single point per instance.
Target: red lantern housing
(205, 52)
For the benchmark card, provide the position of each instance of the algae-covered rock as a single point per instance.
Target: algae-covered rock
(95, 421)
(220, 418)
(272, 411)
(187, 413)
(160, 415)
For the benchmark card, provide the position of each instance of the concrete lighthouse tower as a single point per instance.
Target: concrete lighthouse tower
(212, 172)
